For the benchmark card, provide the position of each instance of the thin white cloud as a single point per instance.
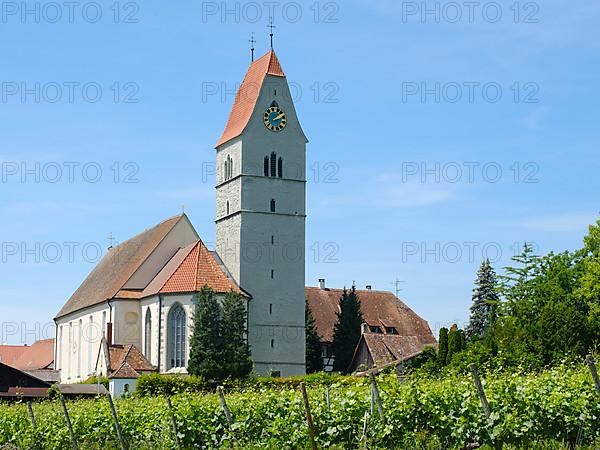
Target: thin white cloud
(575, 222)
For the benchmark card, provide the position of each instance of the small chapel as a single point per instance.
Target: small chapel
(133, 313)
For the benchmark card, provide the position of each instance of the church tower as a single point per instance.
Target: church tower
(261, 214)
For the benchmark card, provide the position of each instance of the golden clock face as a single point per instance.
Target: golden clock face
(275, 119)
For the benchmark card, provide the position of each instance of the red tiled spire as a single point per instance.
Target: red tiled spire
(246, 97)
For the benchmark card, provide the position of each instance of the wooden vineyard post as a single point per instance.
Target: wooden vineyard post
(309, 419)
(480, 391)
(31, 416)
(113, 411)
(174, 423)
(33, 424)
(364, 430)
(376, 398)
(224, 406)
(226, 411)
(328, 398)
(69, 425)
(592, 365)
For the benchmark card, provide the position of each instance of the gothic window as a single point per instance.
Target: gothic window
(148, 335)
(177, 337)
(228, 207)
(280, 167)
(272, 205)
(273, 164)
(266, 166)
(225, 170)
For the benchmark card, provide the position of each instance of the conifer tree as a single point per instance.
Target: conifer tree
(456, 342)
(314, 359)
(484, 310)
(206, 349)
(236, 351)
(443, 347)
(346, 333)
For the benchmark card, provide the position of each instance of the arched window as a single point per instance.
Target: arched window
(148, 335)
(228, 168)
(266, 164)
(177, 335)
(228, 207)
(280, 167)
(273, 164)
(272, 205)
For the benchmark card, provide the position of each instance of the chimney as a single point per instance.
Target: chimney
(364, 328)
(109, 333)
(321, 283)
(368, 286)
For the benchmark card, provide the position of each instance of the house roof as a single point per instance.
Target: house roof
(125, 372)
(117, 267)
(379, 308)
(40, 355)
(11, 377)
(189, 270)
(387, 348)
(10, 353)
(49, 376)
(247, 95)
(82, 389)
(129, 354)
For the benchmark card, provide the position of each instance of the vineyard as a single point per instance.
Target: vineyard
(548, 410)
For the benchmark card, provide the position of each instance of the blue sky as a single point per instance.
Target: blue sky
(402, 184)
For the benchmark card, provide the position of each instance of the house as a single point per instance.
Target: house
(123, 365)
(391, 330)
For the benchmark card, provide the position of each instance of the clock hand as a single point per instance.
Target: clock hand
(280, 116)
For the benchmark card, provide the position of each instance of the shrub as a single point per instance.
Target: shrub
(154, 384)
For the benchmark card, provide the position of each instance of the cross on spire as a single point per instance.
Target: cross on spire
(111, 240)
(271, 26)
(252, 42)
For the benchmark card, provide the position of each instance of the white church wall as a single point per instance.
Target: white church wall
(126, 322)
(180, 236)
(78, 342)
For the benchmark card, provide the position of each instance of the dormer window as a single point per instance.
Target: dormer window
(391, 330)
(375, 329)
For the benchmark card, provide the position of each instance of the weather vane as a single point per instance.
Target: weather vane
(252, 42)
(271, 26)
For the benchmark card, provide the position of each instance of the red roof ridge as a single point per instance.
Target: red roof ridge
(246, 97)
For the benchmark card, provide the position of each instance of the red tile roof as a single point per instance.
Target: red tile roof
(117, 267)
(125, 372)
(40, 355)
(130, 354)
(189, 270)
(247, 95)
(10, 353)
(379, 308)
